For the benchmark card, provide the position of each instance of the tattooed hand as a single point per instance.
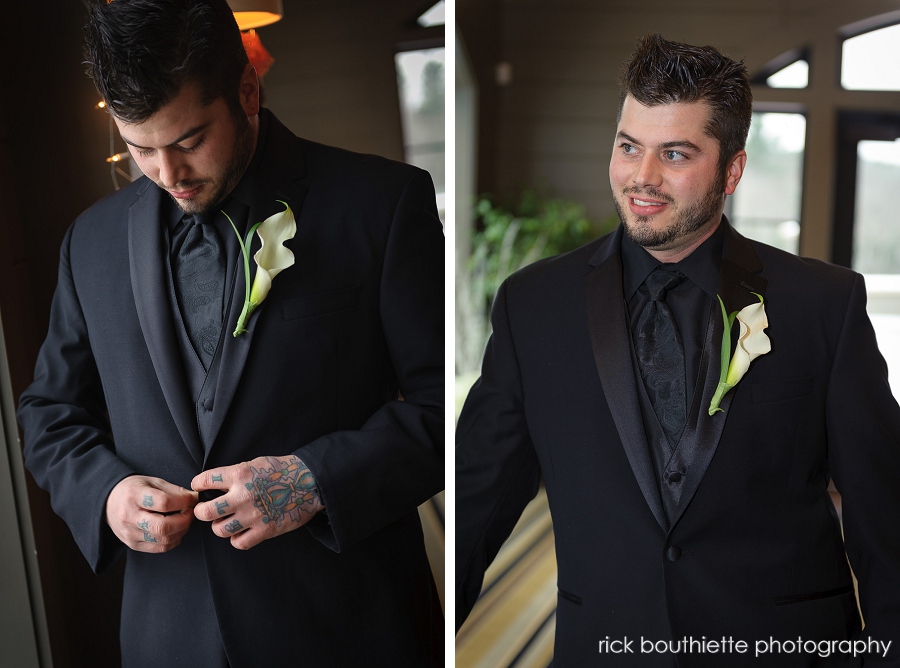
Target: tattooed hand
(263, 498)
(149, 514)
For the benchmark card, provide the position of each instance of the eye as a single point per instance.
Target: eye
(675, 156)
(627, 149)
(191, 149)
(145, 152)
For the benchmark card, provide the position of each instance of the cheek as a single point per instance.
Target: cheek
(147, 167)
(618, 174)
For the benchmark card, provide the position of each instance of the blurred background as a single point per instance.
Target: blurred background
(364, 76)
(536, 99)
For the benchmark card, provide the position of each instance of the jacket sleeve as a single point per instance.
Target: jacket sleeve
(68, 446)
(863, 422)
(497, 470)
(371, 477)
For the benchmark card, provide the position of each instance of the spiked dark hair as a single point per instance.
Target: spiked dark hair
(661, 72)
(140, 53)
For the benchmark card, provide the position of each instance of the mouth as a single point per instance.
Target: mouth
(646, 207)
(186, 194)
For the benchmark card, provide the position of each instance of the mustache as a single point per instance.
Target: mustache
(650, 193)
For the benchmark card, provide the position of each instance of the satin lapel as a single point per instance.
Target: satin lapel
(607, 320)
(738, 280)
(273, 184)
(150, 284)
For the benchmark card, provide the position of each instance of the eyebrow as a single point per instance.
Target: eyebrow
(187, 135)
(678, 143)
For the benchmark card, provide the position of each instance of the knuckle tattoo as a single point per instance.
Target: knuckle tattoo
(144, 525)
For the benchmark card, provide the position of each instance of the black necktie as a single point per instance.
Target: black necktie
(200, 285)
(660, 354)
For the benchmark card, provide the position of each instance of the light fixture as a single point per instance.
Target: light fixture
(256, 13)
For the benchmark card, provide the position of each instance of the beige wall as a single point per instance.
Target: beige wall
(334, 79)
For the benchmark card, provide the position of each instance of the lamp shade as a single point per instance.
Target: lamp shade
(256, 13)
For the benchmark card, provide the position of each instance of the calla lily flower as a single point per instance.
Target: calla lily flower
(752, 342)
(271, 259)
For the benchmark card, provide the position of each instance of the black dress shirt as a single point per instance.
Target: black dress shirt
(690, 301)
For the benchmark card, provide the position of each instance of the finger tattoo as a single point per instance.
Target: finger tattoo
(233, 526)
(217, 477)
(148, 501)
(145, 526)
(221, 506)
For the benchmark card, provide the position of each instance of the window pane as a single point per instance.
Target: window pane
(876, 244)
(420, 76)
(433, 17)
(876, 235)
(795, 75)
(869, 61)
(766, 204)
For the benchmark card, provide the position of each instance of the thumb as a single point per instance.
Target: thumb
(176, 492)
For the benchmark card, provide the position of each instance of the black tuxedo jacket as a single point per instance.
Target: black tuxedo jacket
(754, 551)
(353, 325)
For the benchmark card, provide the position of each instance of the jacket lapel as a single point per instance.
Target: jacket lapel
(150, 284)
(611, 344)
(279, 178)
(738, 280)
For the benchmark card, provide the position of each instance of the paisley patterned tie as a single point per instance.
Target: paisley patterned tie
(200, 285)
(660, 354)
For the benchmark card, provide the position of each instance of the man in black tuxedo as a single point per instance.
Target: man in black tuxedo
(681, 513)
(311, 437)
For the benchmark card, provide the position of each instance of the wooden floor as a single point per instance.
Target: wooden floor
(514, 620)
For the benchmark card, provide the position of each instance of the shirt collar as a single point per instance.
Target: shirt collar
(701, 266)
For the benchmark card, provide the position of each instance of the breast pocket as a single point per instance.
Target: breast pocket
(322, 303)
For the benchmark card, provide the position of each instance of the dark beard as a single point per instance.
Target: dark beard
(240, 160)
(686, 223)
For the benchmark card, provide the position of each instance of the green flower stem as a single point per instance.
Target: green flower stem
(721, 390)
(725, 360)
(245, 251)
(246, 312)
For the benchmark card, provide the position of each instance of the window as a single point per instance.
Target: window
(766, 204)
(420, 77)
(869, 60)
(795, 75)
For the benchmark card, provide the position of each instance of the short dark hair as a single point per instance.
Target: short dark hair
(140, 53)
(661, 72)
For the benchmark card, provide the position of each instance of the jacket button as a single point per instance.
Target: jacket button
(673, 553)
(674, 476)
(208, 404)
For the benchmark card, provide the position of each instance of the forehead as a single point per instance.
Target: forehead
(181, 114)
(665, 123)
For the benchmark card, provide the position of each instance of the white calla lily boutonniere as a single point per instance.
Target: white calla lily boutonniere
(752, 342)
(271, 258)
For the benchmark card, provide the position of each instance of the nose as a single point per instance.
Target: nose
(648, 172)
(172, 168)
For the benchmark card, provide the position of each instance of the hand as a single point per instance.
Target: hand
(264, 498)
(149, 514)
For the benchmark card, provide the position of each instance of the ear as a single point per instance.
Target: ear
(249, 91)
(734, 171)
